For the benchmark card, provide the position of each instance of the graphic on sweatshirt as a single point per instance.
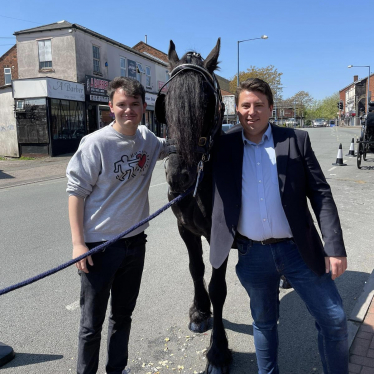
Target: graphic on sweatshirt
(130, 166)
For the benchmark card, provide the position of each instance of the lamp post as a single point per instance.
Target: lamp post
(246, 40)
(368, 84)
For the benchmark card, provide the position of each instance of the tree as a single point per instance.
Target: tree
(302, 99)
(269, 74)
(325, 108)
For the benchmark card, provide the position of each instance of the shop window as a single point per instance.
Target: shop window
(32, 126)
(139, 72)
(122, 63)
(8, 75)
(96, 59)
(105, 115)
(45, 54)
(148, 77)
(67, 119)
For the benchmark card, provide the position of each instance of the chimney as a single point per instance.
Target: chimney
(146, 39)
(355, 78)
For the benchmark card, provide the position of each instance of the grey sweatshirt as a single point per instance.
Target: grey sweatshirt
(112, 172)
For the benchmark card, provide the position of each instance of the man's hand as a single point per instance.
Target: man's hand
(79, 250)
(337, 265)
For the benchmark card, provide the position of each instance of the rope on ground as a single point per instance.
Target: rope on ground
(96, 249)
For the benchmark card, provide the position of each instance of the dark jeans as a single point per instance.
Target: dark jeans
(259, 269)
(116, 271)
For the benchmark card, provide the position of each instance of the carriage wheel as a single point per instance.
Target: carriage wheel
(359, 160)
(364, 152)
(359, 154)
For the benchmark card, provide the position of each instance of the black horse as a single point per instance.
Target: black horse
(192, 109)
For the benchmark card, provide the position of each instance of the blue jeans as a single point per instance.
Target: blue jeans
(117, 271)
(259, 269)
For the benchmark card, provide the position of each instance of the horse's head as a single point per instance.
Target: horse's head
(191, 109)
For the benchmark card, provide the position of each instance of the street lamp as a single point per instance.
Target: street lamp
(246, 40)
(368, 85)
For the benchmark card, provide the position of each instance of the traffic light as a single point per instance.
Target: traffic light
(340, 105)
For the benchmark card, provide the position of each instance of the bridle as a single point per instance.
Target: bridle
(205, 143)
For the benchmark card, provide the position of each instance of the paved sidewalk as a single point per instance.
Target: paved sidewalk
(15, 172)
(361, 325)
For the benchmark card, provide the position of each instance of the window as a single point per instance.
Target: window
(8, 75)
(20, 105)
(96, 59)
(45, 54)
(122, 63)
(148, 76)
(167, 76)
(139, 72)
(67, 119)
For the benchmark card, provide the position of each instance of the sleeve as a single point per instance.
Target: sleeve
(83, 170)
(323, 204)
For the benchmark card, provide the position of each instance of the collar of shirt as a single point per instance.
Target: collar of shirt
(268, 135)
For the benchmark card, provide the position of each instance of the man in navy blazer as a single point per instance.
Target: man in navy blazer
(263, 177)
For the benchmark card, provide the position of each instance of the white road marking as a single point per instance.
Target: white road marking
(73, 306)
(334, 167)
(160, 184)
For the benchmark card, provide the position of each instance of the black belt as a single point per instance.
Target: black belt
(263, 242)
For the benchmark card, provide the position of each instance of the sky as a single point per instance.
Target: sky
(310, 42)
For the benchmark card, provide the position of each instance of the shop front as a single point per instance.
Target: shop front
(149, 118)
(97, 99)
(49, 115)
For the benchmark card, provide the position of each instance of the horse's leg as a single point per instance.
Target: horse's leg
(218, 355)
(200, 310)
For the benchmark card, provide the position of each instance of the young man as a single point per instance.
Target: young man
(108, 182)
(273, 172)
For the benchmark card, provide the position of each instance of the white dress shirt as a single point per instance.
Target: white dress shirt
(262, 216)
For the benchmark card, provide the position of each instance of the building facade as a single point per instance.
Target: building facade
(354, 99)
(68, 54)
(8, 130)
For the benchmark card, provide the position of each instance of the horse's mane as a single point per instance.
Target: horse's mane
(189, 109)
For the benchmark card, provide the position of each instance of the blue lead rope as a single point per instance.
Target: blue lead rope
(96, 249)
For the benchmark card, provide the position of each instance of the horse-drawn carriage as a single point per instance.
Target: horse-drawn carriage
(366, 141)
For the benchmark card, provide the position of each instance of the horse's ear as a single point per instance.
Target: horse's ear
(211, 62)
(172, 55)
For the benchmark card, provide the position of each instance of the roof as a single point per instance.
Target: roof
(162, 56)
(67, 25)
(1, 57)
(355, 82)
(223, 83)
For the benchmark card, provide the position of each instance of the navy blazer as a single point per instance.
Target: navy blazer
(300, 177)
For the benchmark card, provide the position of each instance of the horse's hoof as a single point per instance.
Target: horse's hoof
(210, 369)
(201, 327)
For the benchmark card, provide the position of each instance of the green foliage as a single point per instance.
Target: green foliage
(269, 74)
(325, 108)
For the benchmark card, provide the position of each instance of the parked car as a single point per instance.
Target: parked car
(331, 123)
(319, 122)
(291, 122)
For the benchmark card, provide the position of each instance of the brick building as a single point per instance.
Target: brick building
(354, 100)
(8, 66)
